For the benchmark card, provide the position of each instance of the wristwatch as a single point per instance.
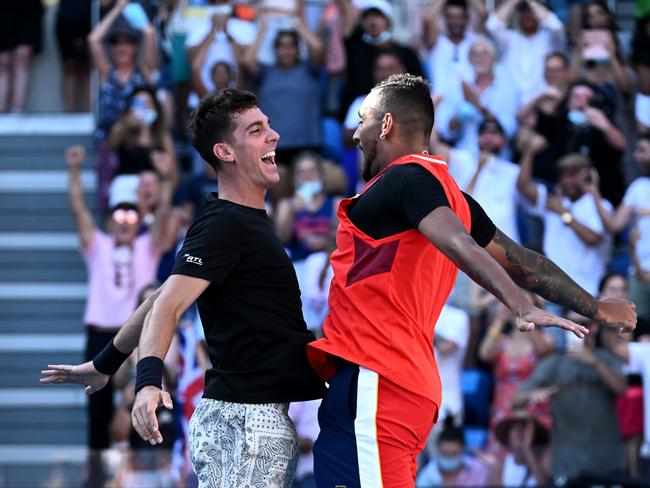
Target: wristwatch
(566, 217)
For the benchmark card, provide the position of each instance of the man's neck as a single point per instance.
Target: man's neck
(398, 150)
(236, 191)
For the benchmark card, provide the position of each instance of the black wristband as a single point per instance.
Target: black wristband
(149, 373)
(109, 360)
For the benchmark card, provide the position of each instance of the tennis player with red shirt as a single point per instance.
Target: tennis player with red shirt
(399, 244)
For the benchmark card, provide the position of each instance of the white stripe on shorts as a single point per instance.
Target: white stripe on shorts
(365, 429)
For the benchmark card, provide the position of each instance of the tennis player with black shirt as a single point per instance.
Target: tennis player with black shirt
(233, 265)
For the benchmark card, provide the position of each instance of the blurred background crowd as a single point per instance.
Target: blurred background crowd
(543, 114)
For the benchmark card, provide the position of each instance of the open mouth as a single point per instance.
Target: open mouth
(269, 158)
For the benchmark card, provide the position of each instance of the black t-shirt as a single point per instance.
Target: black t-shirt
(251, 311)
(402, 197)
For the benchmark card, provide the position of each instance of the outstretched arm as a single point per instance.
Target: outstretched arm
(462, 250)
(125, 342)
(540, 275)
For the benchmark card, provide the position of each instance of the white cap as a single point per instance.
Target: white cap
(382, 5)
(123, 189)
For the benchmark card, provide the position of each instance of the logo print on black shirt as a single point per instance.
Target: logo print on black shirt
(193, 259)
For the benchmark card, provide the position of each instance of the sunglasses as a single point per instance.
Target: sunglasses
(122, 216)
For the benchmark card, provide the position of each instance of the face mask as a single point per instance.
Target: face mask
(381, 38)
(309, 189)
(450, 464)
(577, 117)
(147, 116)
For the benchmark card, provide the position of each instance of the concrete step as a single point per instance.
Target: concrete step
(23, 369)
(44, 465)
(41, 315)
(33, 265)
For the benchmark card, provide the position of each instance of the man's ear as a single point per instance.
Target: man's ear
(387, 125)
(223, 151)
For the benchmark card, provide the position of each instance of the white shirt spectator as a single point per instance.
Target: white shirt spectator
(584, 264)
(500, 98)
(452, 326)
(448, 63)
(524, 56)
(516, 474)
(495, 188)
(637, 196)
(243, 32)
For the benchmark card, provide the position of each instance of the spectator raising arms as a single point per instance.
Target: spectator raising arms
(289, 89)
(538, 32)
(222, 73)
(119, 73)
(120, 263)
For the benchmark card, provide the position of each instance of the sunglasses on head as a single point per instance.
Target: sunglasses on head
(122, 216)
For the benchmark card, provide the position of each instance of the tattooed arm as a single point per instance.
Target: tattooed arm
(540, 275)
(462, 250)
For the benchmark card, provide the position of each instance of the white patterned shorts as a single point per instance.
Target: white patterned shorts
(239, 445)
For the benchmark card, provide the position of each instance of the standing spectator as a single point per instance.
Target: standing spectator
(489, 94)
(538, 32)
(635, 206)
(557, 77)
(140, 135)
(366, 30)
(289, 90)
(450, 346)
(448, 57)
(120, 263)
(20, 39)
(582, 386)
(222, 73)
(581, 125)
(597, 54)
(72, 28)
(490, 179)
(526, 440)
(305, 220)
(572, 226)
(122, 67)
(387, 63)
(452, 467)
(513, 355)
(231, 34)
(120, 70)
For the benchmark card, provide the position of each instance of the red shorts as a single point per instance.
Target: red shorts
(372, 431)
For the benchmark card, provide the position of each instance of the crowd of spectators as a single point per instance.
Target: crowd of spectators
(543, 114)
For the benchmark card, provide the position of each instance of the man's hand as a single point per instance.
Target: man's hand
(533, 317)
(143, 415)
(554, 203)
(597, 118)
(617, 312)
(81, 374)
(75, 156)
